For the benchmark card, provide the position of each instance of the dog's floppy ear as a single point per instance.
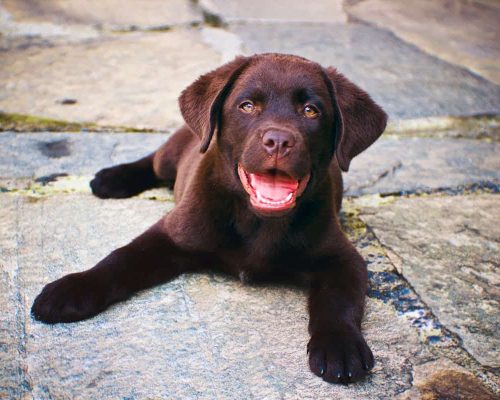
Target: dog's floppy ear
(202, 101)
(360, 121)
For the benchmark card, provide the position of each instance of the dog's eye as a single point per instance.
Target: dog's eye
(310, 111)
(247, 107)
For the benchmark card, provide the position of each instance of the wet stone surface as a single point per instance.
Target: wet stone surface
(447, 248)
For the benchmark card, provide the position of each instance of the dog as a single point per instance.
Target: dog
(256, 174)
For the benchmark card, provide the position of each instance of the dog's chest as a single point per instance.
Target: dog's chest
(261, 249)
(270, 259)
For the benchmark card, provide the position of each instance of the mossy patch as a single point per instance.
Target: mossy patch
(28, 123)
(484, 127)
(57, 184)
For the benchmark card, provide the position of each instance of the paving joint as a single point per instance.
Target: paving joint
(481, 127)
(208, 18)
(61, 184)
(391, 287)
(159, 28)
(486, 186)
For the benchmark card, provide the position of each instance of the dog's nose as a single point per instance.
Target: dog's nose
(278, 142)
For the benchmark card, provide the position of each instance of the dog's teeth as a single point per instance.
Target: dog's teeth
(264, 200)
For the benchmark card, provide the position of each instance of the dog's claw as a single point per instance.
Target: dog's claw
(336, 357)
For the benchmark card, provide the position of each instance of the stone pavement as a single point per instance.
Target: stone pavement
(422, 203)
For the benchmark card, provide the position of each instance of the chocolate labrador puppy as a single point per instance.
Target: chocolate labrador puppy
(258, 186)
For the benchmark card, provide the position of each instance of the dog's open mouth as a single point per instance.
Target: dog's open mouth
(272, 192)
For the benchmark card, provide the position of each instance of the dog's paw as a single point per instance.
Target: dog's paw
(339, 357)
(71, 298)
(125, 180)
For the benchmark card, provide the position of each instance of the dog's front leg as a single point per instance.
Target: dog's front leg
(337, 350)
(150, 259)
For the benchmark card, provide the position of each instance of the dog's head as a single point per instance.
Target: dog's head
(279, 121)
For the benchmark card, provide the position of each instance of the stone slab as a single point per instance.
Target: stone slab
(110, 14)
(459, 31)
(447, 248)
(42, 154)
(199, 336)
(407, 82)
(393, 165)
(276, 11)
(130, 80)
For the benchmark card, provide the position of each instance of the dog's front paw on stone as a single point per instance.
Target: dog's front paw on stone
(69, 299)
(121, 181)
(111, 183)
(339, 357)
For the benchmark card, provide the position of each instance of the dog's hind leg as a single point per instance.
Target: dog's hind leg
(127, 180)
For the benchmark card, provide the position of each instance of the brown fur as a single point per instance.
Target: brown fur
(213, 224)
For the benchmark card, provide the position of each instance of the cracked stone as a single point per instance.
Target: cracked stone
(126, 80)
(393, 165)
(205, 335)
(407, 82)
(469, 37)
(447, 248)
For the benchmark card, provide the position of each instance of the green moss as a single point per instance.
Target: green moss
(29, 123)
(352, 225)
(67, 184)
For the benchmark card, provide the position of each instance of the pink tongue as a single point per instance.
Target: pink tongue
(273, 187)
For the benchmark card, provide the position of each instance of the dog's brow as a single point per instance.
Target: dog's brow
(306, 95)
(255, 94)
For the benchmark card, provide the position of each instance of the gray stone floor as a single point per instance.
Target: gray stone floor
(421, 204)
